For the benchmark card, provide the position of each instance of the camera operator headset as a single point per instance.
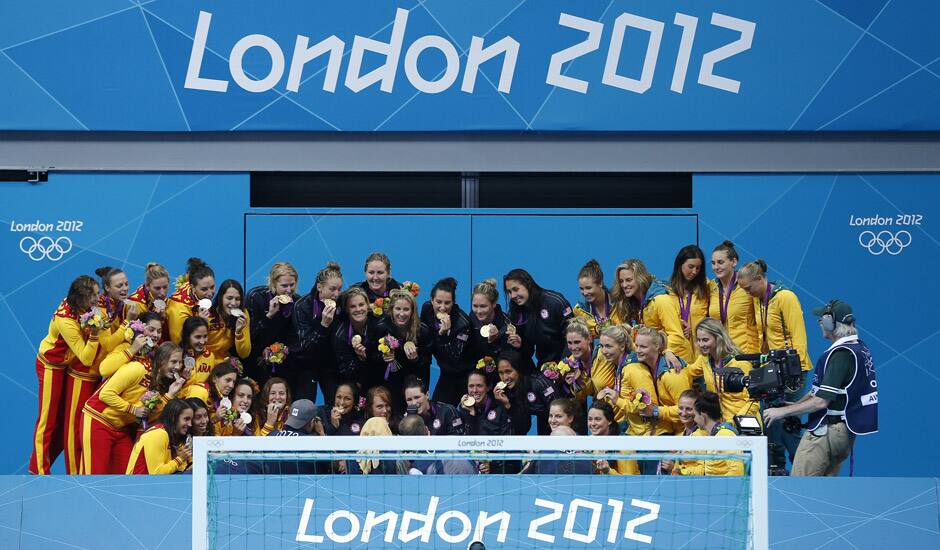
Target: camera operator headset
(843, 401)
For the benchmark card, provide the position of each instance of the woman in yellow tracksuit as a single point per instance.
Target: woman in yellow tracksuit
(228, 322)
(708, 418)
(730, 303)
(198, 284)
(649, 390)
(165, 448)
(198, 361)
(66, 342)
(639, 299)
(615, 352)
(152, 295)
(273, 407)
(777, 311)
(717, 351)
(595, 307)
(83, 378)
(135, 344)
(690, 287)
(242, 396)
(111, 415)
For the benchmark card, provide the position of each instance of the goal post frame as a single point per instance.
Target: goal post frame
(755, 446)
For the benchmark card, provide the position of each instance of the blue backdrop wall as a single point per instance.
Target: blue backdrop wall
(861, 238)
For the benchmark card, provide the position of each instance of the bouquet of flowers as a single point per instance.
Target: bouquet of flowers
(487, 364)
(380, 306)
(412, 287)
(181, 280)
(235, 362)
(231, 415)
(574, 375)
(361, 405)
(133, 329)
(275, 354)
(555, 371)
(94, 319)
(389, 344)
(149, 400)
(641, 399)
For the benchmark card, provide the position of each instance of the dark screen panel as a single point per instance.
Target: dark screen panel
(355, 190)
(585, 190)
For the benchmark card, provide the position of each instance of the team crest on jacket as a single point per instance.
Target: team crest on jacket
(354, 428)
(436, 423)
(544, 314)
(491, 415)
(531, 397)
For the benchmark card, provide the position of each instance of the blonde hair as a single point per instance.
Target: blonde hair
(658, 336)
(487, 288)
(330, 271)
(620, 334)
(281, 269)
(629, 308)
(378, 257)
(578, 325)
(753, 270)
(723, 344)
(155, 271)
(413, 325)
(592, 270)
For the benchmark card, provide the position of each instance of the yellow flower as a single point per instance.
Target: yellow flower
(129, 334)
(383, 348)
(377, 310)
(563, 368)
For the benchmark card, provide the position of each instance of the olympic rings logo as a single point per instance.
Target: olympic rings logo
(45, 248)
(884, 241)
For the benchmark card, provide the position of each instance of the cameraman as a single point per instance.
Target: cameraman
(843, 402)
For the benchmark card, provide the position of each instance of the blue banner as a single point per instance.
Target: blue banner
(432, 65)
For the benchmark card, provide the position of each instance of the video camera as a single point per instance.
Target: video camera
(775, 374)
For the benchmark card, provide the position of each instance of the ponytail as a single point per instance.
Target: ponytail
(592, 270)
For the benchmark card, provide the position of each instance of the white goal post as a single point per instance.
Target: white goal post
(460, 447)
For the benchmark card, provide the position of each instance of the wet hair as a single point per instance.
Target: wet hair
(281, 269)
(218, 371)
(374, 393)
(658, 336)
(378, 257)
(169, 417)
(709, 405)
(330, 271)
(723, 343)
(592, 270)
(189, 327)
(447, 284)
(534, 300)
(148, 316)
(622, 334)
(753, 270)
(195, 403)
(415, 323)
(415, 382)
(161, 355)
(512, 357)
(261, 404)
(579, 326)
(107, 273)
(487, 288)
(569, 406)
(698, 285)
(227, 319)
(197, 270)
(354, 387)
(155, 271)
(608, 410)
(629, 308)
(80, 291)
(728, 248)
(691, 393)
(346, 298)
(476, 372)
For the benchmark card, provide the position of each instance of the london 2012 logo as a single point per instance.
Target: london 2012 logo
(45, 247)
(885, 241)
(887, 234)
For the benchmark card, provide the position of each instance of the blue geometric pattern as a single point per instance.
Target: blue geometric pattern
(814, 65)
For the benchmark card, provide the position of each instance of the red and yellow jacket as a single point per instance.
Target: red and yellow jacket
(144, 301)
(114, 402)
(739, 316)
(66, 340)
(221, 337)
(112, 336)
(152, 455)
(180, 306)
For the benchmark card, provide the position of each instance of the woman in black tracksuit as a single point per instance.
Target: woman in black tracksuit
(524, 395)
(539, 316)
(316, 316)
(404, 324)
(450, 333)
(355, 342)
(271, 308)
(486, 312)
(378, 272)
